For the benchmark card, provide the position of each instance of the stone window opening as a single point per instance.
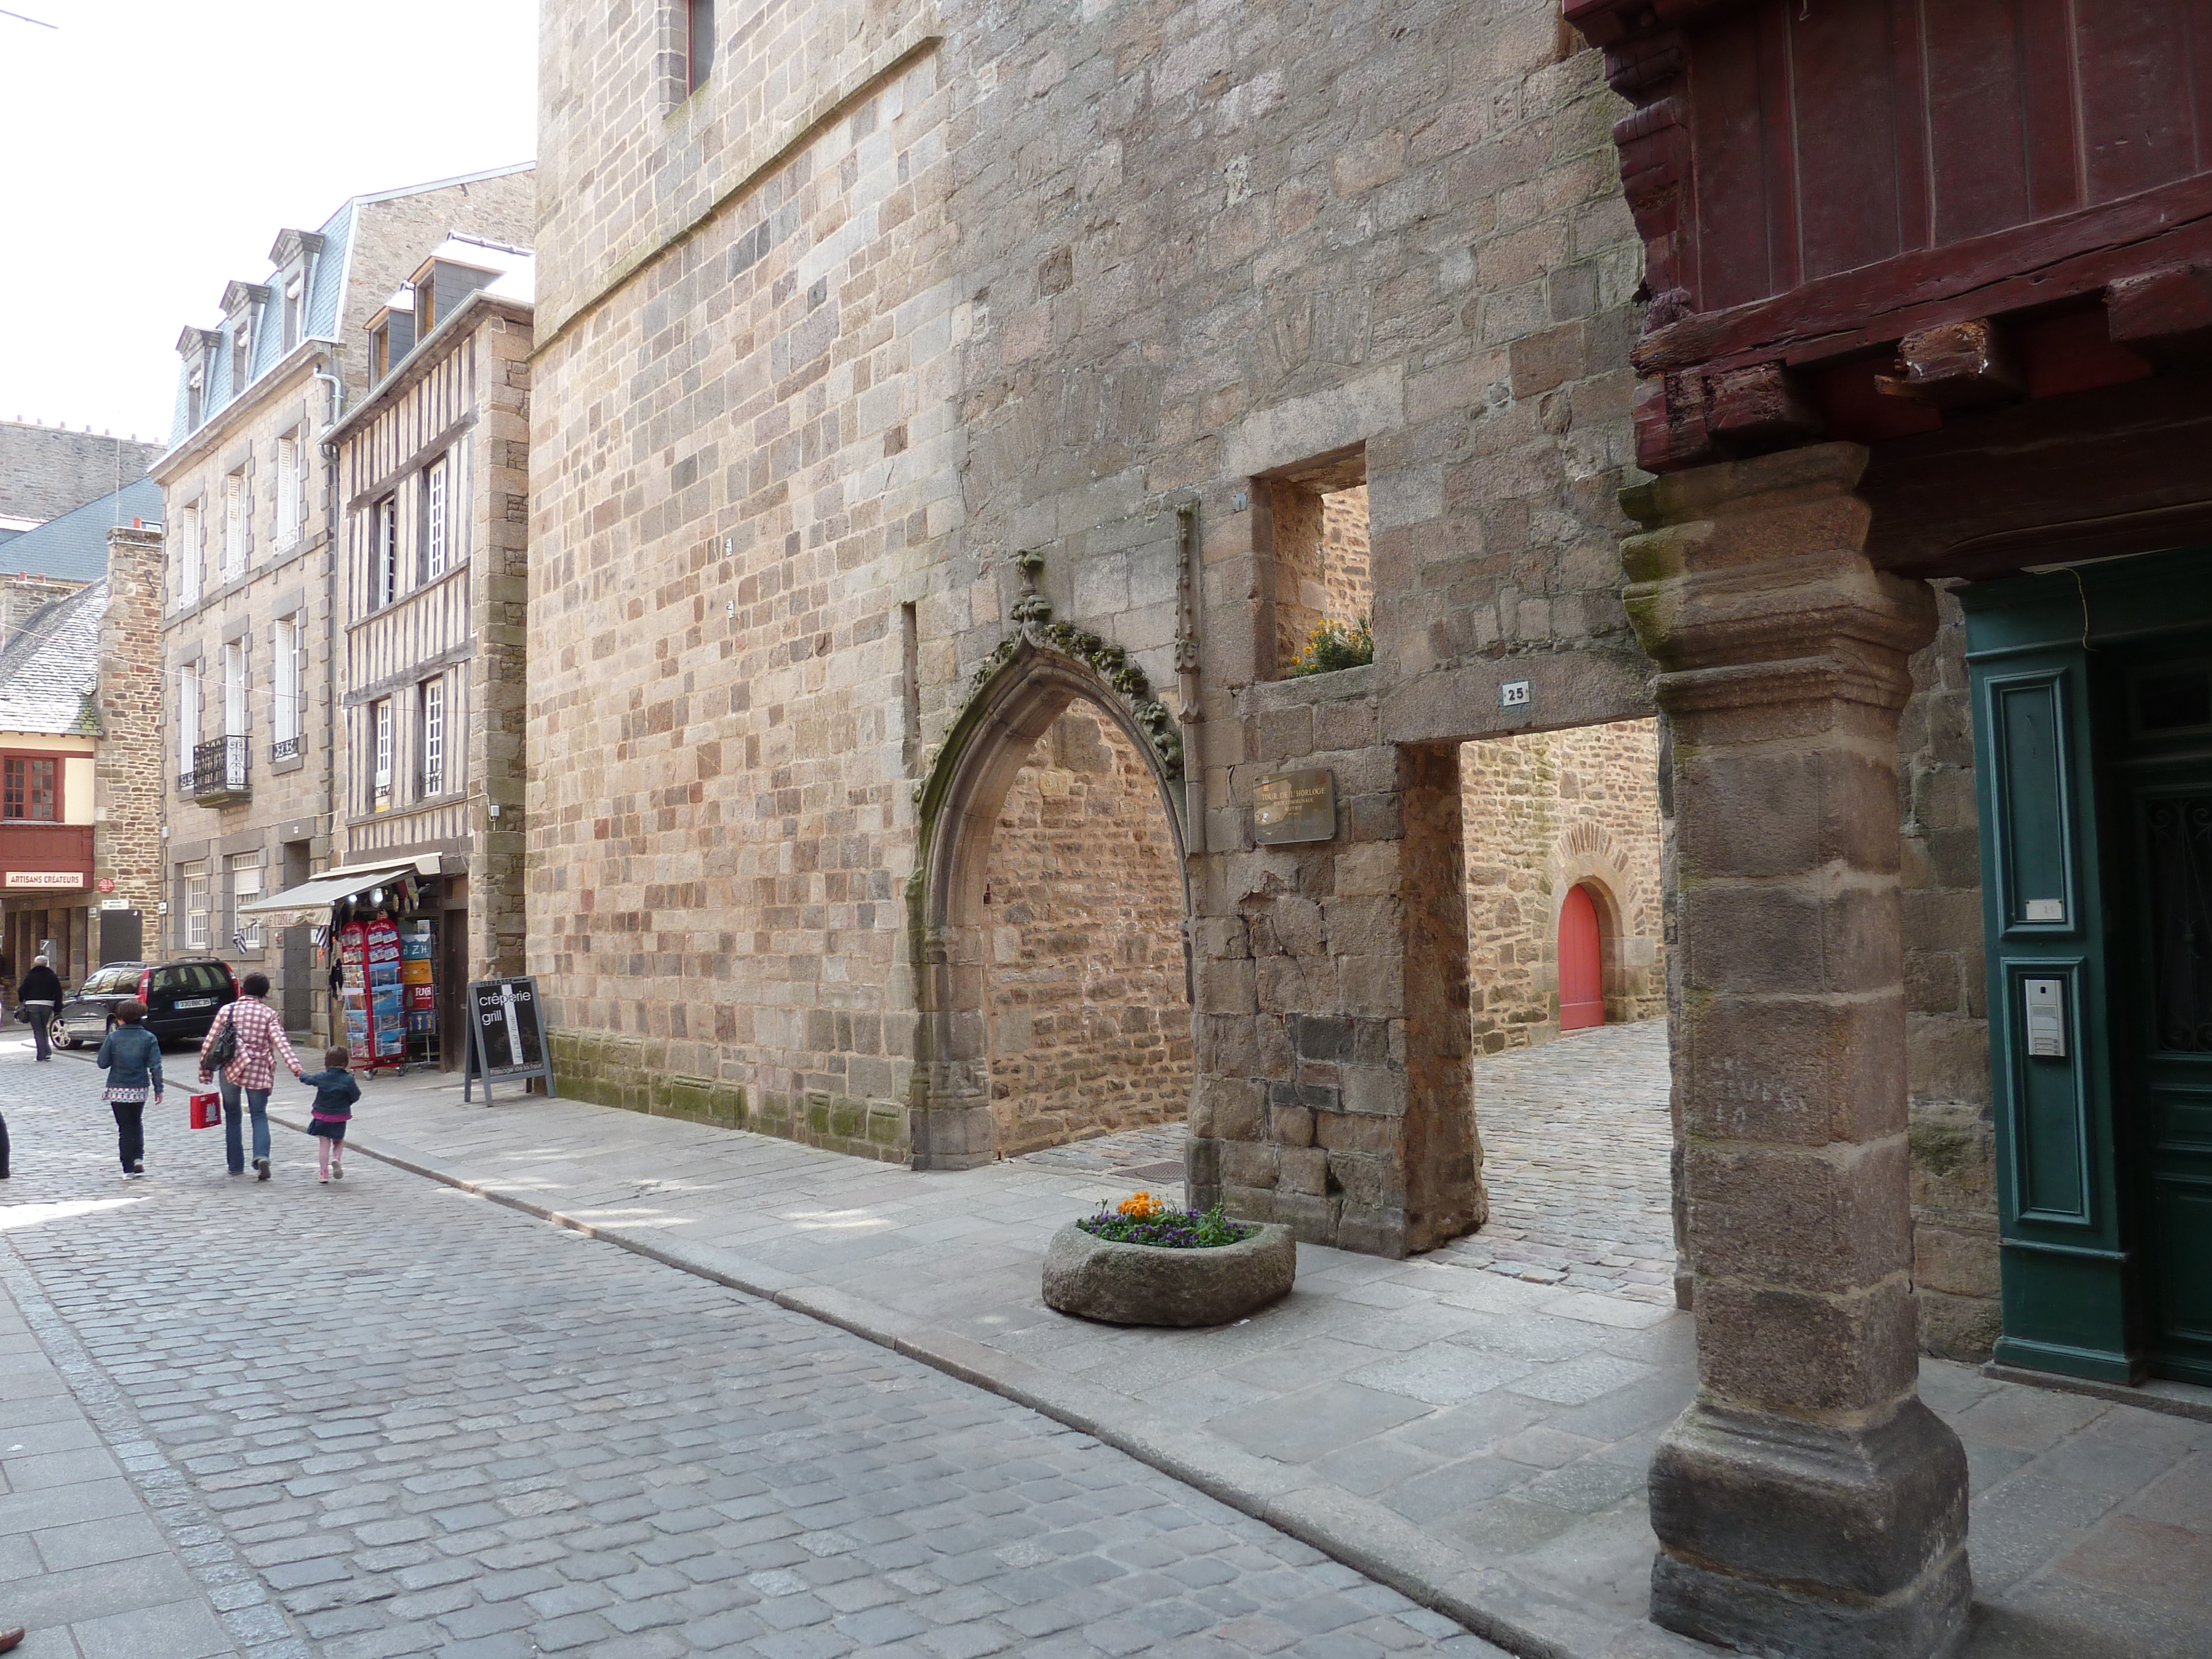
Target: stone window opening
(1318, 583)
(1086, 978)
(698, 44)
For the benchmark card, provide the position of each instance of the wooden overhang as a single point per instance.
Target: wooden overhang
(1976, 236)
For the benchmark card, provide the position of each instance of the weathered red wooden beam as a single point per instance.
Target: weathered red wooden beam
(1969, 365)
(1760, 408)
(1606, 21)
(2165, 314)
(2074, 256)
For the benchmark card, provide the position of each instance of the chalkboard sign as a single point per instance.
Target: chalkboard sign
(507, 1040)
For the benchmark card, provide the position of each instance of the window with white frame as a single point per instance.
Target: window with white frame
(437, 516)
(431, 717)
(247, 871)
(188, 717)
(233, 689)
(290, 478)
(384, 579)
(192, 903)
(380, 776)
(234, 524)
(189, 554)
(290, 647)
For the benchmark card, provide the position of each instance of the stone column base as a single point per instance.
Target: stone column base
(1788, 1538)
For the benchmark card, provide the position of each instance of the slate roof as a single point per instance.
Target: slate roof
(50, 671)
(74, 547)
(327, 272)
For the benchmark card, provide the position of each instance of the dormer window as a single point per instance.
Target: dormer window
(242, 355)
(195, 398)
(390, 334)
(294, 257)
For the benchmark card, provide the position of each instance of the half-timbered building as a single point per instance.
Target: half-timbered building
(432, 475)
(250, 631)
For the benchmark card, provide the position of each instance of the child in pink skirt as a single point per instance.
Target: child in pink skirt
(334, 1094)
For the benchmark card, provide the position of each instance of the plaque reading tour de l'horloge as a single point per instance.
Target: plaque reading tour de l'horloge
(506, 1040)
(1293, 806)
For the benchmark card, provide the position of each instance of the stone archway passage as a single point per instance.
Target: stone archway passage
(1086, 990)
(1582, 962)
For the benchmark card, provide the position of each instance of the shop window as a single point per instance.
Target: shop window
(246, 873)
(1314, 534)
(31, 792)
(192, 880)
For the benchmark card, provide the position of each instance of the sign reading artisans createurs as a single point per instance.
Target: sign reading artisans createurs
(69, 879)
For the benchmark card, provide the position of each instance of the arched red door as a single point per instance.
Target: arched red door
(1582, 972)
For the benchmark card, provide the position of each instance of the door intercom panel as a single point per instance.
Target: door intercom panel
(2045, 1000)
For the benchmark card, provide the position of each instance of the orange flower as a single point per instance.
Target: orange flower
(1142, 1206)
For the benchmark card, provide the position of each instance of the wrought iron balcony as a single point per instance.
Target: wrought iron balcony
(283, 749)
(219, 771)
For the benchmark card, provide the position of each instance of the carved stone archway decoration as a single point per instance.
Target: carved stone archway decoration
(1025, 684)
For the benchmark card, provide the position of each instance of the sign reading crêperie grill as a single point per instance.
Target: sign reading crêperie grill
(505, 1041)
(1294, 806)
(65, 880)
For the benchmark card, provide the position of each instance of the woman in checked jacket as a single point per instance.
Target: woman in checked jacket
(251, 1071)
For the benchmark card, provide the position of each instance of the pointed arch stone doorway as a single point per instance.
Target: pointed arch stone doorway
(958, 924)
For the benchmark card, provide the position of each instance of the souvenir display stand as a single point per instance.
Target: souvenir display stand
(387, 966)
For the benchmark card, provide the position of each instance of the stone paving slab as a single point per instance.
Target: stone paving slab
(1472, 1438)
(83, 1561)
(420, 1424)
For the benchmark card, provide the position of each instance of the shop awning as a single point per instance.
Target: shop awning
(311, 900)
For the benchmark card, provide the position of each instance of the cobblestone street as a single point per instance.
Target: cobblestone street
(385, 1418)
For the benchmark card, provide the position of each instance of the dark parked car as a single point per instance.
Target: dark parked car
(182, 999)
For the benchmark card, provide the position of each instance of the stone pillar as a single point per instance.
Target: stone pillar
(1807, 1503)
(129, 770)
(1443, 1153)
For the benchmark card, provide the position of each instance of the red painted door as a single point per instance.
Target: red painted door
(1582, 975)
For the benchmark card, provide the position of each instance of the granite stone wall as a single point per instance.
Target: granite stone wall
(44, 470)
(906, 295)
(1952, 1133)
(1086, 984)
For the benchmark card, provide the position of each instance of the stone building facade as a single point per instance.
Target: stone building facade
(433, 466)
(254, 635)
(81, 774)
(44, 470)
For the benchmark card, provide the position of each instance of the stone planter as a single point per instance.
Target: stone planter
(1148, 1285)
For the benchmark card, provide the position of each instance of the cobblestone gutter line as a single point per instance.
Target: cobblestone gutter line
(1360, 1533)
(260, 1628)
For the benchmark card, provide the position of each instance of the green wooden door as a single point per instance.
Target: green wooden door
(2165, 781)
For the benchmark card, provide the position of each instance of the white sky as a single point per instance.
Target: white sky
(150, 151)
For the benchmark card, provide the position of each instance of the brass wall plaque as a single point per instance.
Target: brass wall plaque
(1293, 806)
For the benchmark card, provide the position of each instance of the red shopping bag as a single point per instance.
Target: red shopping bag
(207, 1111)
